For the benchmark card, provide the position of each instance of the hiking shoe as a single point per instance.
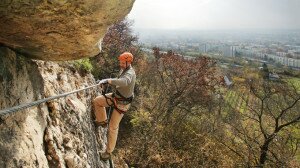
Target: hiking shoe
(102, 124)
(105, 156)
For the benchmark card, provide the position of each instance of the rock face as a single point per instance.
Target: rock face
(59, 133)
(21, 134)
(58, 29)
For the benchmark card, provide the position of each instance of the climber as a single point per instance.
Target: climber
(120, 99)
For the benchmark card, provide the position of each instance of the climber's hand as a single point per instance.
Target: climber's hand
(103, 81)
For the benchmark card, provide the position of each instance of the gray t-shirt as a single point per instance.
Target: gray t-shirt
(125, 83)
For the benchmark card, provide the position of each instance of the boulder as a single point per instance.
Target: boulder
(58, 29)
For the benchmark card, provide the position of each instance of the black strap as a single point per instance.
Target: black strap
(106, 99)
(129, 99)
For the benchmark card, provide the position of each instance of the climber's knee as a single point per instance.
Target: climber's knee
(99, 101)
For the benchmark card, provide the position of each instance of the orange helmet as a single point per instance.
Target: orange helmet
(126, 56)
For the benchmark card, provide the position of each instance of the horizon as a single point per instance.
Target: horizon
(214, 30)
(281, 34)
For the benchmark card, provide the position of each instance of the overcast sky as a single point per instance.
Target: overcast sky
(216, 14)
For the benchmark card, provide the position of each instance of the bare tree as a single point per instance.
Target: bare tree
(182, 83)
(265, 128)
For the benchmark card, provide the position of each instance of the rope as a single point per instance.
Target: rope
(35, 103)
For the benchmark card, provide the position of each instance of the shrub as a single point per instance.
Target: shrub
(83, 66)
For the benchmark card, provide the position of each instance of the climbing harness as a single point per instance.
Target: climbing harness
(117, 98)
(115, 101)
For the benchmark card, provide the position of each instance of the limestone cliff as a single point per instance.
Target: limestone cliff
(56, 134)
(59, 133)
(58, 29)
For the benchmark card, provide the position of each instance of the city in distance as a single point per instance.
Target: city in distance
(280, 46)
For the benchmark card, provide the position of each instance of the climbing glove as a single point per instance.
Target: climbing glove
(103, 81)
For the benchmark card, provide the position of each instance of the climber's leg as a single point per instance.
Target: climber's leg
(100, 103)
(113, 130)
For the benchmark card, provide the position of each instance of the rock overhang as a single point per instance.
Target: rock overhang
(58, 29)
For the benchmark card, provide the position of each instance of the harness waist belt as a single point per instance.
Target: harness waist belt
(122, 99)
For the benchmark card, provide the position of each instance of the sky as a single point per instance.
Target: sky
(215, 14)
